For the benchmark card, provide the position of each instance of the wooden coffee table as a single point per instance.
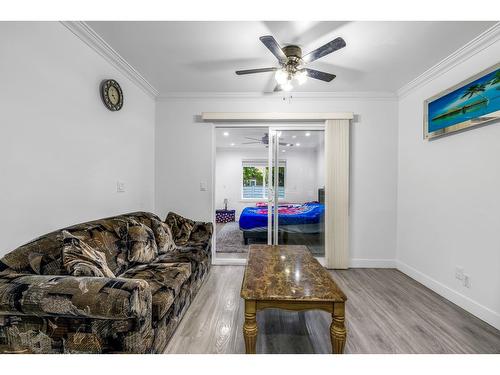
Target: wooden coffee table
(290, 278)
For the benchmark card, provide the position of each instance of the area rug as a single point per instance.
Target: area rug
(229, 238)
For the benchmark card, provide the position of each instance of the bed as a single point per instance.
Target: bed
(306, 218)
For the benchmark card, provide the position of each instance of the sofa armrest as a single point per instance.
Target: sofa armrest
(75, 297)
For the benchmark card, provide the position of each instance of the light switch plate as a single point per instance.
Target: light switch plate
(203, 186)
(120, 186)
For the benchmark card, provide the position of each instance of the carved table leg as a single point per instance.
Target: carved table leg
(338, 332)
(250, 327)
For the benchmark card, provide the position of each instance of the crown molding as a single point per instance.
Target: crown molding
(484, 40)
(86, 34)
(367, 95)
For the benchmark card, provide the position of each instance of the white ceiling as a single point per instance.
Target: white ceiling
(237, 138)
(202, 56)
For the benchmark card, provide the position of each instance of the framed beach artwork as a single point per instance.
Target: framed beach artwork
(473, 102)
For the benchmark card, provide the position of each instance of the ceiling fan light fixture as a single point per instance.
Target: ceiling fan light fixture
(281, 76)
(301, 77)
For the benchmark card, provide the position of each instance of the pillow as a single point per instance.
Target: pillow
(141, 243)
(164, 237)
(79, 259)
(162, 233)
(181, 228)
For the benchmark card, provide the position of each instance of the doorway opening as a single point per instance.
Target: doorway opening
(263, 173)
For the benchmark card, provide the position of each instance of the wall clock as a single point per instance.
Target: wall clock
(111, 94)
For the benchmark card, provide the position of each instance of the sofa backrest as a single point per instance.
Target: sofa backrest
(43, 255)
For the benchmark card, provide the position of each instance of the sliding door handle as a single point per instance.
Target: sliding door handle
(270, 195)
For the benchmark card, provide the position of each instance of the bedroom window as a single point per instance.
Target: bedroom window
(254, 178)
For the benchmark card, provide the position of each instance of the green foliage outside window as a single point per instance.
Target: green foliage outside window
(251, 174)
(255, 182)
(281, 176)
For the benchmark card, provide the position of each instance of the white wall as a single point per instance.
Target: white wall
(449, 200)
(184, 159)
(61, 150)
(300, 175)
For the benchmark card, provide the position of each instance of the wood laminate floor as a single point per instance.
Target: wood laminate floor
(386, 312)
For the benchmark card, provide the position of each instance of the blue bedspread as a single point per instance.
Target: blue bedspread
(253, 218)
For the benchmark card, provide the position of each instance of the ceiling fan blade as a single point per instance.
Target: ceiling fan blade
(253, 139)
(273, 46)
(278, 88)
(252, 71)
(324, 50)
(285, 144)
(249, 143)
(322, 76)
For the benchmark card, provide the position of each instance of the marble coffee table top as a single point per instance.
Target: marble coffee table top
(286, 272)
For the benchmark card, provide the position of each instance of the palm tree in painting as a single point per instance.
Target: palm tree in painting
(495, 80)
(475, 89)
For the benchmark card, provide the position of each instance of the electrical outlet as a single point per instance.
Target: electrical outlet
(466, 281)
(459, 273)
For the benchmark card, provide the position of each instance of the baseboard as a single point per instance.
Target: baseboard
(482, 312)
(228, 262)
(372, 263)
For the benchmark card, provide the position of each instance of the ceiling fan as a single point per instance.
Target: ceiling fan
(292, 64)
(264, 140)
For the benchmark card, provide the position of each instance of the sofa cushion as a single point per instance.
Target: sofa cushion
(102, 235)
(138, 239)
(141, 243)
(197, 259)
(165, 239)
(80, 259)
(189, 233)
(181, 228)
(165, 280)
(161, 231)
(40, 256)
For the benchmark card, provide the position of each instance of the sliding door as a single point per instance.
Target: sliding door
(298, 172)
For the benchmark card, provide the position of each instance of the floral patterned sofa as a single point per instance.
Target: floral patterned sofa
(115, 285)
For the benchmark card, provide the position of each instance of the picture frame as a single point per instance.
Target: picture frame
(468, 104)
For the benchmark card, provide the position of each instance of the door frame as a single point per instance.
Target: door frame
(294, 121)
